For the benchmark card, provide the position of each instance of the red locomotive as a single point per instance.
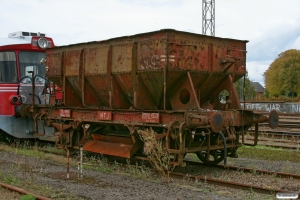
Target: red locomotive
(177, 84)
(20, 56)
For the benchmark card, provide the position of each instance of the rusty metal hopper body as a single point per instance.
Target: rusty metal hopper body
(162, 70)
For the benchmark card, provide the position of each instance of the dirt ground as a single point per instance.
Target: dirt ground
(9, 195)
(45, 174)
(48, 178)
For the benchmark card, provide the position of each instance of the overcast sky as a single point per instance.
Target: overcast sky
(271, 26)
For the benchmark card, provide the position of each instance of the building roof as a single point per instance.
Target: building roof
(258, 87)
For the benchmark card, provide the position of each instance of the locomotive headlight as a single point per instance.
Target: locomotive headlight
(42, 43)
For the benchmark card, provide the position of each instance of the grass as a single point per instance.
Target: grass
(269, 153)
(100, 163)
(27, 149)
(28, 197)
(10, 178)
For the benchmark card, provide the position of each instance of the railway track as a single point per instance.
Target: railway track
(274, 138)
(286, 135)
(248, 170)
(22, 191)
(278, 133)
(287, 147)
(286, 120)
(236, 185)
(200, 164)
(230, 184)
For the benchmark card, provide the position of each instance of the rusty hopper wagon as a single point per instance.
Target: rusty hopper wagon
(178, 85)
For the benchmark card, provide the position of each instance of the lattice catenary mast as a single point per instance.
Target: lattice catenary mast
(208, 17)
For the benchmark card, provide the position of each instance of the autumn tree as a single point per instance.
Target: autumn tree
(250, 92)
(282, 77)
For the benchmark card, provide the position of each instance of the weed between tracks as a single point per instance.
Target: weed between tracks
(101, 164)
(156, 153)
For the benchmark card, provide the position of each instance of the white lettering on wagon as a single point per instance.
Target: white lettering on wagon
(273, 107)
(279, 107)
(150, 117)
(260, 106)
(104, 115)
(64, 113)
(295, 108)
(254, 106)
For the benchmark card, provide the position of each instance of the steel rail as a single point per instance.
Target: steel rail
(281, 146)
(283, 115)
(284, 125)
(276, 133)
(276, 140)
(22, 191)
(287, 141)
(286, 146)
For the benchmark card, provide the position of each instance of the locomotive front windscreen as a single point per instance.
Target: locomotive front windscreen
(30, 61)
(8, 67)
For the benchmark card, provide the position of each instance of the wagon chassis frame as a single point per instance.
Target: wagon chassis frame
(173, 126)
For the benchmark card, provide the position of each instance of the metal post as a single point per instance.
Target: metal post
(68, 162)
(78, 168)
(256, 134)
(33, 87)
(81, 175)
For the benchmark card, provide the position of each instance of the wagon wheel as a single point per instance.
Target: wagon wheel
(215, 157)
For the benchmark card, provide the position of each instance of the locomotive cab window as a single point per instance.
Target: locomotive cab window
(30, 61)
(8, 67)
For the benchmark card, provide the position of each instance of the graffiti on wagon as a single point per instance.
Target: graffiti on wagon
(279, 107)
